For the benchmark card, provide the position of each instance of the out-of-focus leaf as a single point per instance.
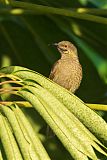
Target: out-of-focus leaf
(98, 3)
(51, 10)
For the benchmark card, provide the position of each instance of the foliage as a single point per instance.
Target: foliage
(26, 30)
(62, 111)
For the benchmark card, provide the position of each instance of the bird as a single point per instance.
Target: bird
(67, 71)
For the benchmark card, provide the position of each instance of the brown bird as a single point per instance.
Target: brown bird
(67, 71)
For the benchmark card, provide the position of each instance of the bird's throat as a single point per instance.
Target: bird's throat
(69, 56)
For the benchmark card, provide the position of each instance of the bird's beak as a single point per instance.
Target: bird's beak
(53, 44)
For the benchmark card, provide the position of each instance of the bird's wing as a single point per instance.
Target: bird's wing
(53, 70)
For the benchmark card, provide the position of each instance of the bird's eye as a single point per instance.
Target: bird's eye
(65, 46)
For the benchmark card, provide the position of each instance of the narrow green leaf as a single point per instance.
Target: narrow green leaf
(8, 140)
(32, 135)
(60, 110)
(73, 124)
(94, 11)
(51, 10)
(68, 99)
(87, 116)
(55, 123)
(20, 134)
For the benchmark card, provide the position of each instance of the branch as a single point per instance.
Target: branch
(40, 9)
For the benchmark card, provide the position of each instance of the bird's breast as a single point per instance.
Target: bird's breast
(68, 73)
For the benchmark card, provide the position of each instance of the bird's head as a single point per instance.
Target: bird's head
(66, 47)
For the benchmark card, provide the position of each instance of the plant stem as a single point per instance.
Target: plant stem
(101, 107)
(20, 103)
(10, 81)
(28, 105)
(10, 89)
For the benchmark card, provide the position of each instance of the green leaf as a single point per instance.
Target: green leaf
(8, 140)
(51, 10)
(74, 125)
(64, 123)
(88, 117)
(56, 124)
(32, 135)
(21, 136)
